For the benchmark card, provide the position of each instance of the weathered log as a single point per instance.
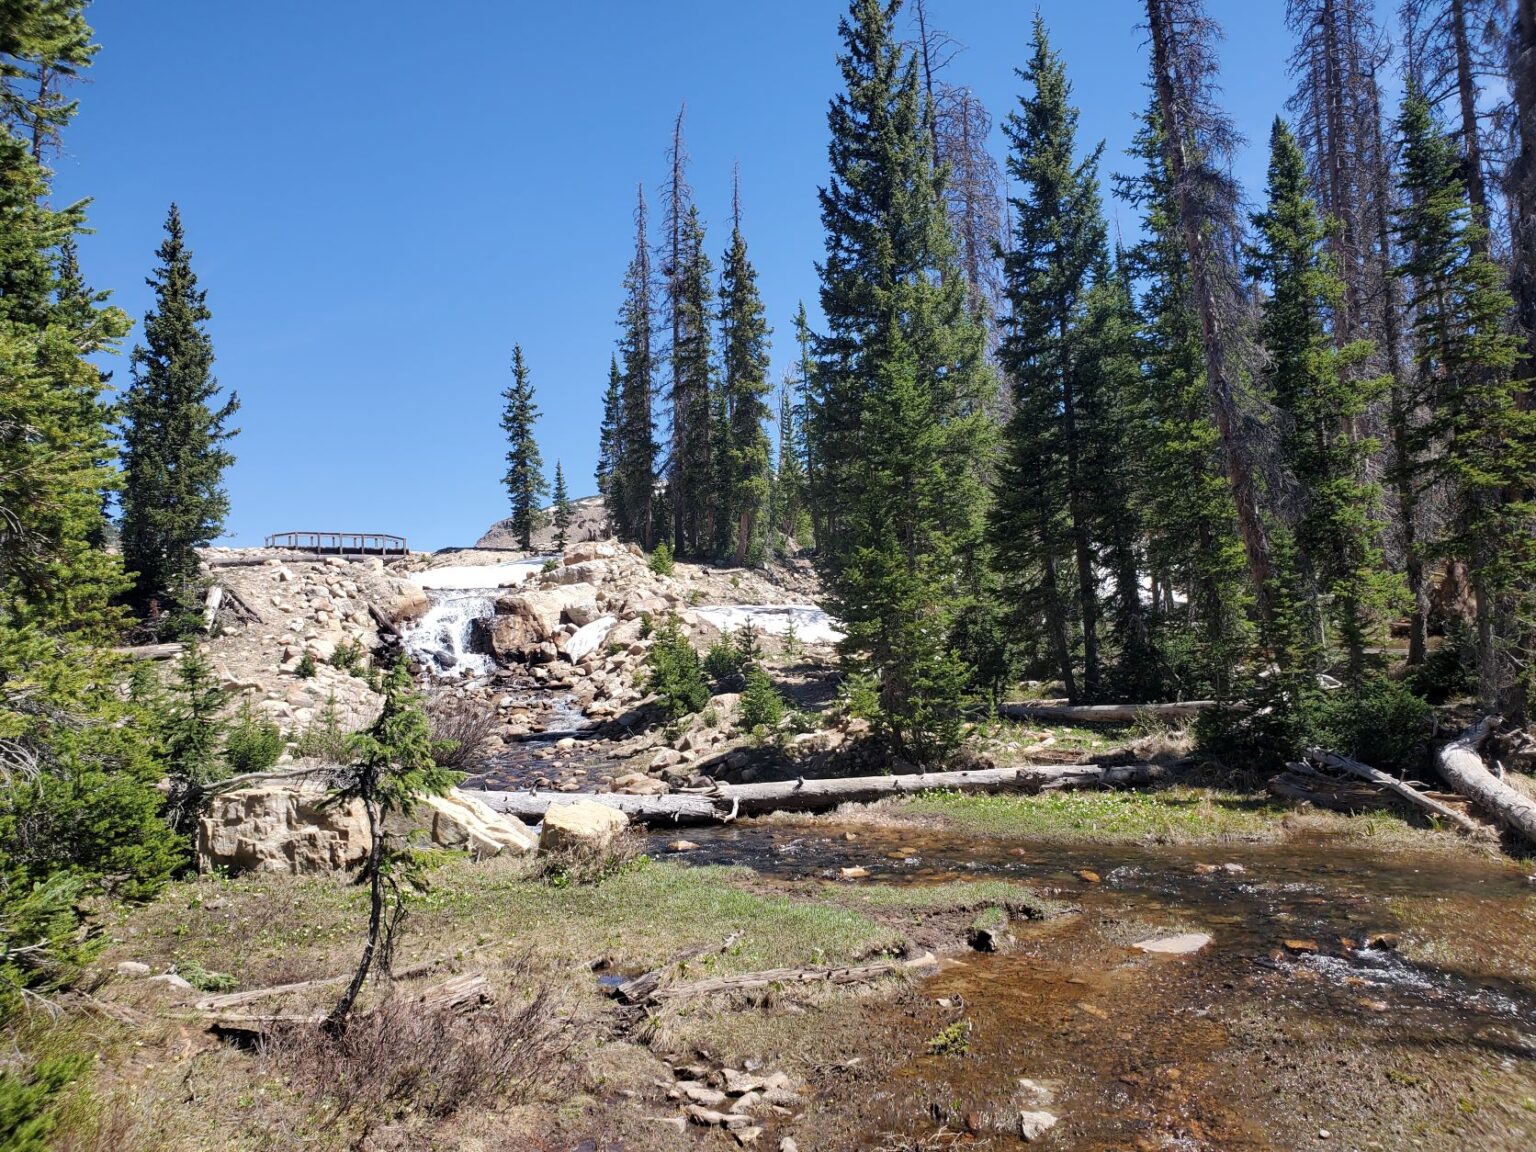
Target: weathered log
(731, 800)
(150, 651)
(1463, 769)
(747, 981)
(1059, 713)
(1398, 788)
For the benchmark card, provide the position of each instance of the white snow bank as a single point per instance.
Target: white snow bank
(588, 638)
(812, 625)
(465, 577)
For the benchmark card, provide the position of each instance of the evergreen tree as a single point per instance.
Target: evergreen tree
(632, 483)
(1483, 440)
(895, 418)
(745, 451)
(608, 450)
(1040, 526)
(174, 435)
(562, 512)
(1193, 553)
(79, 807)
(1320, 401)
(192, 736)
(789, 475)
(525, 469)
(693, 469)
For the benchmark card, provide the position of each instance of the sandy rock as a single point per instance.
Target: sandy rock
(1181, 945)
(171, 980)
(132, 968)
(547, 608)
(1033, 1125)
(584, 572)
(590, 550)
(407, 601)
(460, 821)
(583, 824)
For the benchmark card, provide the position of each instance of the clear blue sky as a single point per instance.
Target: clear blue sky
(382, 197)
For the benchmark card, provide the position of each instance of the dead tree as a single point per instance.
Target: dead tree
(1199, 140)
(1522, 172)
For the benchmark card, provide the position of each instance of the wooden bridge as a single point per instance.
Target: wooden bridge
(340, 543)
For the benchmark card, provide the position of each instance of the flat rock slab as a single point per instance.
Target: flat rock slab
(1181, 945)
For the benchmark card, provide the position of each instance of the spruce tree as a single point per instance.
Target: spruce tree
(789, 474)
(1485, 439)
(692, 473)
(525, 469)
(744, 451)
(633, 480)
(608, 448)
(562, 509)
(174, 436)
(1040, 526)
(1194, 558)
(895, 416)
(1321, 400)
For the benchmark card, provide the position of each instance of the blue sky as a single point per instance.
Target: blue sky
(383, 197)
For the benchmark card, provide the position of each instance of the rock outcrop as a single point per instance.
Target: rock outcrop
(299, 828)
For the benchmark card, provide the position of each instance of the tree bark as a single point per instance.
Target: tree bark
(732, 800)
(1464, 770)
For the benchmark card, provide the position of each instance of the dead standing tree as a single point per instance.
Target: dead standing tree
(1199, 140)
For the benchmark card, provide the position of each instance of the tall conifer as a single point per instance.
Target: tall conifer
(633, 481)
(174, 432)
(745, 451)
(561, 517)
(895, 419)
(525, 468)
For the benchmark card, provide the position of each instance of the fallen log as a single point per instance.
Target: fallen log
(1398, 788)
(1103, 713)
(150, 651)
(729, 801)
(1463, 769)
(748, 981)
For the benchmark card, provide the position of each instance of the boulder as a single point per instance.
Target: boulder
(545, 609)
(588, 551)
(408, 601)
(584, 824)
(510, 636)
(589, 638)
(458, 820)
(295, 827)
(587, 572)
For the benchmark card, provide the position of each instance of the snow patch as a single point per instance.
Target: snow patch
(588, 638)
(811, 624)
(467, 577)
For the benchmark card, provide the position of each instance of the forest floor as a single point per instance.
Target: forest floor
(1369, 984)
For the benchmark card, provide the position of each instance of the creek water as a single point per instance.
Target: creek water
(1190, 1052)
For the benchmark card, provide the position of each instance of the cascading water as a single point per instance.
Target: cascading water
(444, 638)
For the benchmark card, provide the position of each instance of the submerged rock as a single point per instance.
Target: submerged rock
(1183, 944)
(1033, 1125)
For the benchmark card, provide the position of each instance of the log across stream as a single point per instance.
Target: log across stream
(726, 802)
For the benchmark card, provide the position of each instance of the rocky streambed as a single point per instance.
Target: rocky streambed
(1318, 995)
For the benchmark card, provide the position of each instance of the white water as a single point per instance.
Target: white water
(460, 595)
(811, 624)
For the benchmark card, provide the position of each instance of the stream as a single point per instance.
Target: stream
(1218, 1050)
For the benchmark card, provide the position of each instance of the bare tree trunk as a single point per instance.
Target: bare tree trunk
(1178, 80)
(336, 1022)
(1466, 94)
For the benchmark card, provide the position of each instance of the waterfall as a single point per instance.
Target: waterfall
(444, 638)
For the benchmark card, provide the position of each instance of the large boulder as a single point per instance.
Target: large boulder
(584, 824)
(281, 828)
(458, 820)
(407, 601)
(587, 572)
(592, 550)
(545, 609)
(296, 827)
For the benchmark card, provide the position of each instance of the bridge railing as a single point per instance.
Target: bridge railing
(340, 543)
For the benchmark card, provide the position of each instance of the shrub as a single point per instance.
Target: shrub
(403, 1058)
(675, 674)
(592, 864)
(348, 657)
(324, 739)
(723, 663)
(761, 704)
(1381, 723)
(204, 980)
(460, 729)
(550, 565)
(306, 667)
(27, 1113)
(661, 561)
(253, 744)
(1444, 676)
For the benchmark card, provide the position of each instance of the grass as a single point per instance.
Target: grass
(1174, 815)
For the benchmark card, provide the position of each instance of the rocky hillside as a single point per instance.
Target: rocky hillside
(589, 521)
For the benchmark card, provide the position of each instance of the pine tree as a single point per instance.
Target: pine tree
(1040, 525)
(174, 435)
(1185, 501)
(608, 447)
(633, 481)
(693, 469)
(789, 474)
(562, 511)
(525, 469)
(79, 806)
(1320, 398)
(745, 451)
(1486, 441)
(895, 416)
